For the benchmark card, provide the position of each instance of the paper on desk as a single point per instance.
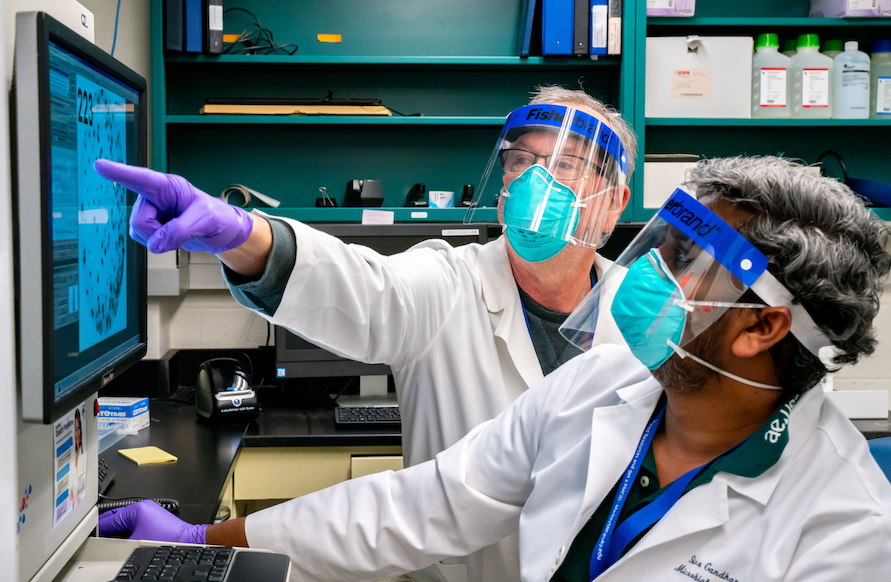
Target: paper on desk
(147, 455)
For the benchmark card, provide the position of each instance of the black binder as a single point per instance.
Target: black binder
(213, 26)
(581, 27)
(174, 12)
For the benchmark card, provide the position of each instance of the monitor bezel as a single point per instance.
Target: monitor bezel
(34, 286)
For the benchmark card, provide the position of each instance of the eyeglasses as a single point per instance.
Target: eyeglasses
(516, 161)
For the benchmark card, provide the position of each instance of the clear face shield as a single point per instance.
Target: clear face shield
(557, 175)
(680, 274)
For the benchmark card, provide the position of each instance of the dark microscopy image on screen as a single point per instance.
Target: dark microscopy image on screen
(102, 215)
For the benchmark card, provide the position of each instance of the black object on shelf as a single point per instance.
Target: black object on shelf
(417, 196)
(364, 193)
(467, 195)
(326, 203)
(106, 476)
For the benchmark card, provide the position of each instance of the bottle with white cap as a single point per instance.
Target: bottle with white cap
(851, 79)
(880, 80)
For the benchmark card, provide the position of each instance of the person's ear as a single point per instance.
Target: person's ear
(760, 330)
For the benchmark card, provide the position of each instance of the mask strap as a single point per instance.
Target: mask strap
(803, 327)
(685, 354)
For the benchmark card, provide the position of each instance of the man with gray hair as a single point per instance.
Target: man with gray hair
(464, 330)
(699, 450)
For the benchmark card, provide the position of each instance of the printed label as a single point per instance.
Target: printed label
(883, 96)
(215, 17)
(660, 3)
(691, 84)
(773, 87)
(815, 88)
(863, 4)
(598, 26)
(70, 462)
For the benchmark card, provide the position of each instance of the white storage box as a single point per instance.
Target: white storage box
(663, 176)
(670, 7)
(849, 8)
(699, 76)
(861, 403)
(123, 414)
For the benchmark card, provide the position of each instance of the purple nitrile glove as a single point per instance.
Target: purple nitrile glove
(170, 213)
(147, 520)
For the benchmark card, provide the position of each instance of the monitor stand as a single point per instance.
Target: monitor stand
(372, 392)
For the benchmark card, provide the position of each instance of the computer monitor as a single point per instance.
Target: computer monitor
(81, 280)
(297, 358)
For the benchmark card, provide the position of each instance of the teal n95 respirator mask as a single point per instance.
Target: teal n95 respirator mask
(556, 175)
(681, 273)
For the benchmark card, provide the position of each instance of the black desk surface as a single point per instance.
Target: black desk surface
(206, 452)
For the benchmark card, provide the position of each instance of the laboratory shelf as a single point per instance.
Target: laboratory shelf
(494, 121)
(765, 22)
(760, 122)
(423, 61)
(352, 214)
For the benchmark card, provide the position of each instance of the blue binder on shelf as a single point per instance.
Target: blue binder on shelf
(527, 22)
(557, 27)
(173, 25)
(194, 26)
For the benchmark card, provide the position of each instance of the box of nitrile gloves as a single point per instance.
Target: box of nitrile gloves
(849, 8)
(128, 414)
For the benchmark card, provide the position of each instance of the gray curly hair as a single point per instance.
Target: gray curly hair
(821, 243)
(561, 96)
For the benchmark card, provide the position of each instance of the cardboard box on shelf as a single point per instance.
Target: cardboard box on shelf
(849, 8)
(699, 76)
(670, 7)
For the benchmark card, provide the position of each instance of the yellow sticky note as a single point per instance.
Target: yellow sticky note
(328, 37)
(147, 455)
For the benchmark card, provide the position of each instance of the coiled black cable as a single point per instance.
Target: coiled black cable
(171, 505)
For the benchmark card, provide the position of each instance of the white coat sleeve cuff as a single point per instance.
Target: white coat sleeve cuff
(263, 530)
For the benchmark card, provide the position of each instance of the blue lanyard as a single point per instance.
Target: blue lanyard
(612, 542)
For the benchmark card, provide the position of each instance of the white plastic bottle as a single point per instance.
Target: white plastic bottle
(851, 83)
(880, 80)
(811, 80)
(771, 78)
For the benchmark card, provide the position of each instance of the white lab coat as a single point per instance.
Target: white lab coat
(449, 322)
(822, 513)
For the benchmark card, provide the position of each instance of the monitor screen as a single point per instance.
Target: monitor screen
(297, 358)
(81, 280)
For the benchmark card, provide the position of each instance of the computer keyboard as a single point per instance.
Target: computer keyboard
(356, 416)
(176, 564)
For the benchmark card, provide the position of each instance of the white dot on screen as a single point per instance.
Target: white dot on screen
(745, 264)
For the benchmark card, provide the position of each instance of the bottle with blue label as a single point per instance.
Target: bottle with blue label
(771, 79)
(811, 80)
(851, 77)
(880, 80)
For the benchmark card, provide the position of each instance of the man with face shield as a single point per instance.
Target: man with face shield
(700, 450)
(465, 330)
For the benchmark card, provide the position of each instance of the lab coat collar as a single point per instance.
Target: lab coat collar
(501, 295)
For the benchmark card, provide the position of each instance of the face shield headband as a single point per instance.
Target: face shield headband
(684, 269)
(555, 175)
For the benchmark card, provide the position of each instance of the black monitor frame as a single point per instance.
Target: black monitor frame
(310, 361)
(32, 180)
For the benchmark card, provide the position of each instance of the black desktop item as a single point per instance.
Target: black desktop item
(80, 280)
(297, 358)
(195, 564)
(364, 193)
(467, 195)
(223, 392)
(417, 196)
(106, 476)
(367, 416)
